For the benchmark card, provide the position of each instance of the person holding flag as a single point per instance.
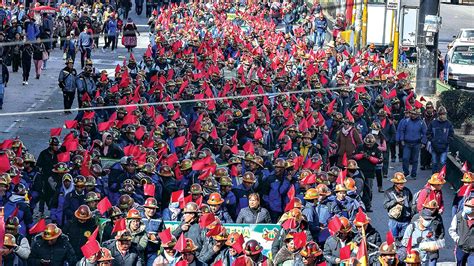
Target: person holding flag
(123, 250)
(51, 247)
(462, 232)
(388, 255)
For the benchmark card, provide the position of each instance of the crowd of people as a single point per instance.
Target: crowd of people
(226, 119)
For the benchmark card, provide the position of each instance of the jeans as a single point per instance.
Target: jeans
(85, 54)
(397, 228)
(411, 153)
(438, 160)
(288, 28)
(319, 38)
(463, 258)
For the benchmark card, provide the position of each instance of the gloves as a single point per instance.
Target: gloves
(374, 160)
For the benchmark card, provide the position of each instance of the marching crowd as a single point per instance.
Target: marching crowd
(225, 119)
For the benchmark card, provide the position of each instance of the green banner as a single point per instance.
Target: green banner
(263, 233)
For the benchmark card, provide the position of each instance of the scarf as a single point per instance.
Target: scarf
(346, 131)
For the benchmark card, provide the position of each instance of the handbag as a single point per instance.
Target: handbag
(45, 55)
(396, 211)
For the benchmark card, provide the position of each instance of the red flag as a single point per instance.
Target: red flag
(139, 133)
(218, 263)
(289, 224)
(178, 196)
(234, 149)
(240, 261)
(38, 227)
(201, 164)
(288, 145)
(149, 190)
(64, 157)
(465, 167)
(409, 245)
(360, 109)
(55, 132)
(389, 238)
(299, 239)
(6, 144)
(159, 119)
(90, 248)
(182, 263)
(331, 107)
(362, 255)
(248, 147)
(345, 252)
(291, 192)
(103, 126)
(119, 225)
(103, 205)
(94, 234)
(165, 235)
(290, 205)
(442, 172)
(4, 163)
(341, 177)
(16, 180)
(258, 134)
(334, 225)
(344, 160)
(15, 211)
(179, 141)
(206, 219)
(214, 231)
(70, 123)
(213, 134)
(181, 243)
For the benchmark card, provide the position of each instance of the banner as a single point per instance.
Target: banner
(263, 233)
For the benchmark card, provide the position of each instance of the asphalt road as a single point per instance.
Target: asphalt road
(454, 17)
(44, 94)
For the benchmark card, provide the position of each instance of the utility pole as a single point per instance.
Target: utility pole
(427, 47)
(358, 25)
(365, 18)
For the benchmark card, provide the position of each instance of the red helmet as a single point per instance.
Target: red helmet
(151, 203)
(252, 247)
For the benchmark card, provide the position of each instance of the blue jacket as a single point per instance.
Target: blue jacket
(32, 31)
(111, 27)
(312, 217)
(440, 133)
(413, 131)
(71, 203)
(241, 194)
(277, 194)
(24, 213)
(321, 25)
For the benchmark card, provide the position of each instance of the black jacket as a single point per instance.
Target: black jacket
(78, 233)
(390, 202)
(130, 259)
(58, 254)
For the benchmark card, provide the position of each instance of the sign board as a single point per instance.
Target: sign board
(392, 4)
(263, 233)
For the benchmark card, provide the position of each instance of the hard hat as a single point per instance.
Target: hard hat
(83, 213)
(51, 232)
(215, 199)
(252, 247)
(134, 214)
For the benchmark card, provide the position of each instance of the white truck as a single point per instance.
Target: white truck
(460, 64)
(380, 24)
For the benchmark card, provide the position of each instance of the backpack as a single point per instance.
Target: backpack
(414, 209)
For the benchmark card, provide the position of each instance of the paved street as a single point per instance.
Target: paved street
(44, 94)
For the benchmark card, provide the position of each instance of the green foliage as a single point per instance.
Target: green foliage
(459, 104)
